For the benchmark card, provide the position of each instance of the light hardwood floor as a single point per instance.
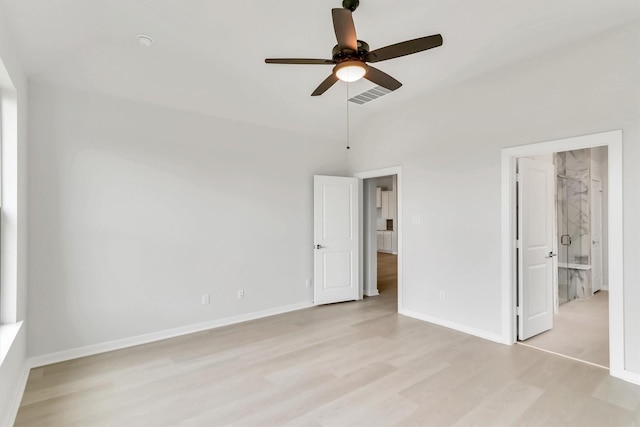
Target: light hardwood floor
(580, 330)
(357, 363)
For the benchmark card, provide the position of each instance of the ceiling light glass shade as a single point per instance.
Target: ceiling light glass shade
(351, 71)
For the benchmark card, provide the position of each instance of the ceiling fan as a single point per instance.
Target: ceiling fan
(350, 56)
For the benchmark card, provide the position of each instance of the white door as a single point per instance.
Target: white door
(596, 234)
(336, 234)
(536, 204)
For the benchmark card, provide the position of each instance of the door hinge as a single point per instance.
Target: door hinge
(519, 311)
(517, 244)
(517, 177)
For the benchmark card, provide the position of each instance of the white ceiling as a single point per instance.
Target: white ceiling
(208, 55)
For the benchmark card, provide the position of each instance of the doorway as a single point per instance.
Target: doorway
(382, 232)
(576, 295)
(613, 141)
(386, 233)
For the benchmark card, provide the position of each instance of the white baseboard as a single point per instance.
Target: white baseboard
(625, 375)
(453, 325)
(629, 376)
(90, 350)
(10, 416)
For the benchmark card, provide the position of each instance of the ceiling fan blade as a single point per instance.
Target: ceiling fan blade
(404, 48)
(299, 61)
(345, 29)
(382, 79)
(326, 84)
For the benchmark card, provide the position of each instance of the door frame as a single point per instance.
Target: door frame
(597, 179)
(378, 173)
(613, 140)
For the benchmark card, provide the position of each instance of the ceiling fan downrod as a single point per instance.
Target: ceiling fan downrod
(352, 5)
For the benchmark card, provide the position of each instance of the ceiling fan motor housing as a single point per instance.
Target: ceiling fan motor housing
(339, 55)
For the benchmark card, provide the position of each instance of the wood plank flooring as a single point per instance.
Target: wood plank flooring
(350, 364)
(580, 330)
(387, 272)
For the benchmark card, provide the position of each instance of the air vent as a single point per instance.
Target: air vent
(370, 95)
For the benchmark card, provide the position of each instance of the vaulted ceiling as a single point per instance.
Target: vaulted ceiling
(208, 55)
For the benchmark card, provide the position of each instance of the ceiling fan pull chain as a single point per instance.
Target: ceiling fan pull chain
(347, 102)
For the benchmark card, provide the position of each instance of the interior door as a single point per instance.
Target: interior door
(535, 247)
(336, 234)
(596, 234)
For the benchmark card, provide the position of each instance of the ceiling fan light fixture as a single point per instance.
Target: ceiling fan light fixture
(350, 71)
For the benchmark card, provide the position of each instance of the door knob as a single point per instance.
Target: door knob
(551, 254)
(318, 246)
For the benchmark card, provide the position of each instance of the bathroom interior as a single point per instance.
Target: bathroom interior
(581, 226)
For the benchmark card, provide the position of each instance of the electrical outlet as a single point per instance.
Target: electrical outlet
(206, 299)
(240, 293)
(443, 296)
(308, 283)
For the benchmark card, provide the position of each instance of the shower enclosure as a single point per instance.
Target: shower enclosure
(573, 224)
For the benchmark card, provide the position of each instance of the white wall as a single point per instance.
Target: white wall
(449, 143)
(13, 84)
(136, 211)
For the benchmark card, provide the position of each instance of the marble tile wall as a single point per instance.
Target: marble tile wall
(573, 213)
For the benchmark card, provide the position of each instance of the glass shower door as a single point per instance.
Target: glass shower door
(564, 240)
(571, 214)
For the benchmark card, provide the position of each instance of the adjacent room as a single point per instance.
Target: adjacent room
(319, 213)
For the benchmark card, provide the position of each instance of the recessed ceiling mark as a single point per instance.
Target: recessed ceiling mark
(145, 40)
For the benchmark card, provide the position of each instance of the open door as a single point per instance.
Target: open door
(535, 247)
(336, 269)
